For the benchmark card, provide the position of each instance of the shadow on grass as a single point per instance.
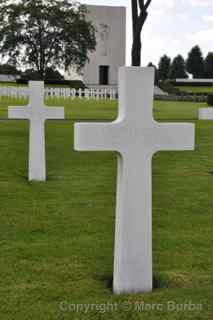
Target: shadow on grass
(160, 280)
(107, 280)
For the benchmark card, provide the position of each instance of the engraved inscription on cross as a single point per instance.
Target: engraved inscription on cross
(136, 136)
(36, 113)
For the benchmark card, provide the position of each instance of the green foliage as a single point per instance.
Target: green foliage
(8, 69)
(178, 68)
(50, 74)
(208, 66)
(45, 33)
(77, 84)
(195, 62)
(164, 67)
(210, 100)
(196, 89)
(166, 86)
(30, 74)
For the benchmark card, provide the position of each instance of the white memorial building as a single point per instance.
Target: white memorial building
(110, 53)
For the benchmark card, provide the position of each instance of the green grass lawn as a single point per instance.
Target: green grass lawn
(192, 89)
(57, 237)
(11, 84)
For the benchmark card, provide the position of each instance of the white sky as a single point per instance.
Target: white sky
(173, 27)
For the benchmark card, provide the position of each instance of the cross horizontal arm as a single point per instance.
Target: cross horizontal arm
(54, 112)
(18, 113)
(95, 136)
(173, 136)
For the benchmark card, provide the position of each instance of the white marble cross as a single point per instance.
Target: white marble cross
(136, 136)
(36, 113)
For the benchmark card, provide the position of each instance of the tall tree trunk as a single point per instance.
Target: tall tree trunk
(41, 73)
(139, 16)
(136, 52)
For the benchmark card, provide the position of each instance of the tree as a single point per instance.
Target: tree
(150, 64)
(8, 69)
(40, 34)
(139, 16)
(208, 66)
(178, 68)
(164, 67)
(50, 74)
(195, 62)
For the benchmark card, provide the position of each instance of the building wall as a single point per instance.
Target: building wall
(110, 24)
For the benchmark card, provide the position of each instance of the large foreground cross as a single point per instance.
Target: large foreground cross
(36, 113)
(136, 136)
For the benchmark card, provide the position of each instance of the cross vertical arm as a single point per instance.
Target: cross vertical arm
(36, 89)
(135, 104)
(133, 236)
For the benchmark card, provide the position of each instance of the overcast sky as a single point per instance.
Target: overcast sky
(173, 27)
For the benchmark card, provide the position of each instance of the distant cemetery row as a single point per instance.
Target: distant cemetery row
(62, 92)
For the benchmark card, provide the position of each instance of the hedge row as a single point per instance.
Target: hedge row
(183, 98)
(194, 84)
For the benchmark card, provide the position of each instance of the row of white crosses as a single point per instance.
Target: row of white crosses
(92, 93)
(135, 136)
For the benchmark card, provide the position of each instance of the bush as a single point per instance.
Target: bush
(191, 84)
(210, 99)
(9, 69)
(166, 86)
(186, 98)
(50, 74)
